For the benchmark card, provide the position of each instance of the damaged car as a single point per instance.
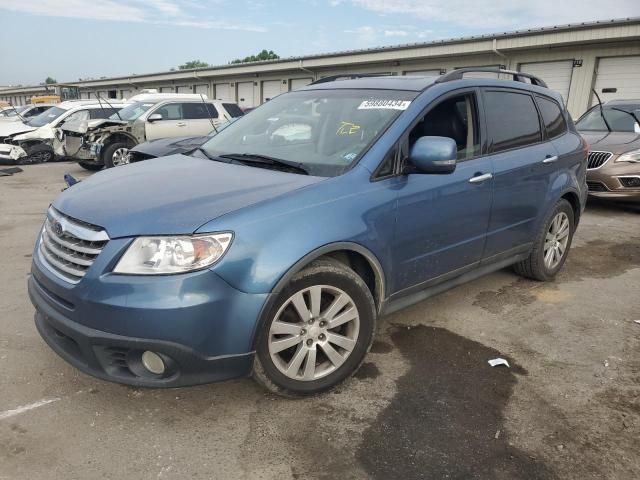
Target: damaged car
(107, 143)
(40, 139)
(23, 113)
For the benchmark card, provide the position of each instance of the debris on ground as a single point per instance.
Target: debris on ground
(7, 172)
(499, 361)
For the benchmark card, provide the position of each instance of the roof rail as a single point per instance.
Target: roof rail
(349, 76)
(458, 73)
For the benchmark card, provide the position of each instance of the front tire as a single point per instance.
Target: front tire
(551, 245)
(317, 332)
(116, 154)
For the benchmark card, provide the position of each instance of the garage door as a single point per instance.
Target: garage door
(481, 74)
(423, 73)
(202, 89)
(224, 92)
(125, 93)
(617, 78)
(557, 75)
(245, 94)
(297, 83)
(184, 89)
(167, 90)
(270, 89)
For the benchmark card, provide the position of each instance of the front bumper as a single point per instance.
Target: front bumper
(607, 182)
(11, 153)
(202, 327)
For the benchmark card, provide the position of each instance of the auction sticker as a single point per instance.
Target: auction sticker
(382, 104)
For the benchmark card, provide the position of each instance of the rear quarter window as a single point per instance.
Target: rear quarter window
(233, 109)
(512, 120)
(552, 117)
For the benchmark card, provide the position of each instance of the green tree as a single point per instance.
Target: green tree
(50, 80)
(263, 55)
(193, 64)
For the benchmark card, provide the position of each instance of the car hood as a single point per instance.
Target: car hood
(89, 125)
(615, 142)
(171, 195)
(13, 128)
(170, 146)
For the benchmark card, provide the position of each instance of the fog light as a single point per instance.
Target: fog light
(153, 362)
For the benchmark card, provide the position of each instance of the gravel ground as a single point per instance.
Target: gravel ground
(424, 405)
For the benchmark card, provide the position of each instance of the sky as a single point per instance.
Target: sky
(72, 39)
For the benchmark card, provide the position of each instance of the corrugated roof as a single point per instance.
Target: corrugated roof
(449, 41)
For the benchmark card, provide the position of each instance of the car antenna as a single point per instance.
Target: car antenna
(20, 116)
(206, 107)
(110, 106)
(601, 110)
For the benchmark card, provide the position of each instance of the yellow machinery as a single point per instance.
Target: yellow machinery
(45, 99)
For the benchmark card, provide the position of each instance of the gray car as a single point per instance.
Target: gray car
(613, 133)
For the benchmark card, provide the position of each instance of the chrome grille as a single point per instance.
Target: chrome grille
(597, 159)
(68, 246)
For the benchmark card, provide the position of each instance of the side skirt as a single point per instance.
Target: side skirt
(401, 300)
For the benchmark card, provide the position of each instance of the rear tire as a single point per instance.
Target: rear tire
(94, 167)
(551, 245)
(114, 154)
(325, 321)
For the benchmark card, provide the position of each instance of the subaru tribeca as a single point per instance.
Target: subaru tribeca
(273, 249)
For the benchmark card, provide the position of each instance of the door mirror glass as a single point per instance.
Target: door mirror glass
(434, 155)
(154, 117)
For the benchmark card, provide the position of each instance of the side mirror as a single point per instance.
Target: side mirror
(434, 155)
(154, 117)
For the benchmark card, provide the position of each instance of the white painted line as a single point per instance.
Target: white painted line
(26, 408)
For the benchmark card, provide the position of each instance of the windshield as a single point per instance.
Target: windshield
(325, 131)
(45, 117)
(618, 118)
(233, 109)
(131, 112)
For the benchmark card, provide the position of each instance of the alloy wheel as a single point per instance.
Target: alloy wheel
(314, 332)
(120, 157)
(556, 240)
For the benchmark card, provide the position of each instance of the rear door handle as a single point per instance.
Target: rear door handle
(550, 159)
(480, 178)
(182, 124)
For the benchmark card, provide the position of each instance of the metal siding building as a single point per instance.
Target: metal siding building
(573, 59)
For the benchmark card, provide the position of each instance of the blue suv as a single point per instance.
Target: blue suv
(274, 248)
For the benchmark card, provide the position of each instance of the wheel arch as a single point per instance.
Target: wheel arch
(573, 199)
(117, 137)
(354, 255)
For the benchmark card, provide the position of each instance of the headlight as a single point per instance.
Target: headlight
(632, 157)
(166, 255)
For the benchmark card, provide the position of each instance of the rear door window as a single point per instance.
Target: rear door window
(198, 111)
(233, 109)
(102, 112)
(512, 120)
(552, 117)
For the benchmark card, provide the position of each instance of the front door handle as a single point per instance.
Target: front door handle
(550, 159)
(480, 178)
(182, 124)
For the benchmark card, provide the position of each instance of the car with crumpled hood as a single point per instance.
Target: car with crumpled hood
(39, 139)
(613, 132)
(106, 143)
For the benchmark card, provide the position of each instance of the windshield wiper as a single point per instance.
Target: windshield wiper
(208, 155)
(265, 160)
